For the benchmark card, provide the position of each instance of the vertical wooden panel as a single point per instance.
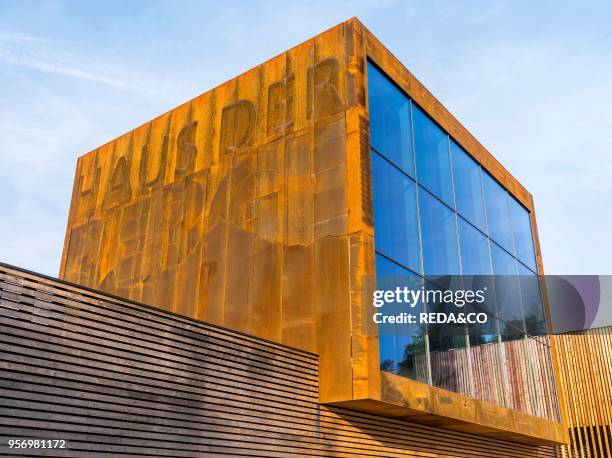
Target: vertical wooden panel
(585, 360)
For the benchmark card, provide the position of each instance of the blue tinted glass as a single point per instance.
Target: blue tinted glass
(475, 259)
(503, 263)
(385, 266)
(432, 156)
(390, 132)
(395, 214)
(388, 358)
(412, 355)
(404, 355)
(468, 187)
(439, 236)
(507, 293)
(523, 237)
(532, 302)
(498, 221)
(402, 352)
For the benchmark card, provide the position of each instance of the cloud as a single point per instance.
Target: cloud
(39, 53)
(64, 58)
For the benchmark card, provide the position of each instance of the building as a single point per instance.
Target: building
(267, 205)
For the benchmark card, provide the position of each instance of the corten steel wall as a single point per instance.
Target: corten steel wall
(586, 378)
(250, 207)
(234, 207)
(117, 378)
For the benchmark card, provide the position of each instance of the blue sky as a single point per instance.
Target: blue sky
(531, 80)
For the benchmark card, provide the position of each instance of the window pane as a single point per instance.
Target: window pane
(402, 347)
(388, 357)
(498, 221)
(523, 237)
(439, 236)
(475, 259)
(390, 131)
(395, 214)
(532, 302)
(468, 187)
(487, 369)
(447, 349)
(386, 267)
(432, 156)
(412, 357)
(507, 294)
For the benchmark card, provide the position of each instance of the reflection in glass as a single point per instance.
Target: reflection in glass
(432, 156)
(412, 362)
(507, 294)
(402, 347)
(395, 213)
(523, 238)
(533, 308)
(447, 350)
(438, 236)
(490, 233)
(515, 362)
(543, 388)
(487, 371)
(390, 130)
(498, 221)
(468, 187)
(475, 258)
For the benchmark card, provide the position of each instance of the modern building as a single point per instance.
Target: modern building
(268, 205)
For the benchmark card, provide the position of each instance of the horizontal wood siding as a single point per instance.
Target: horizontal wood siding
(116, 378)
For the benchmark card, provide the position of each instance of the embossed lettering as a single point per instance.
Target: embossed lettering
(144, 164)
(280, 105)
(119, 189)
(88, 197)
(187, 151)
(324, 98)
(237, 125)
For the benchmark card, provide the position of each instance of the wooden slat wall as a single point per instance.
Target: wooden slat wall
(585, 361)
(117, 378)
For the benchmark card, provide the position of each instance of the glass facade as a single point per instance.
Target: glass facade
(438, 212)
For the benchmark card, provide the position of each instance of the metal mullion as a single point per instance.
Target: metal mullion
(456, 213)
(393, 164)
(418, 205)
(393, 260)
(501, 353)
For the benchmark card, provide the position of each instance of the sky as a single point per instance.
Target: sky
(531, 80)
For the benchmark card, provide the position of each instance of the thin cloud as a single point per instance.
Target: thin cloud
(36, 53)
(22, 129)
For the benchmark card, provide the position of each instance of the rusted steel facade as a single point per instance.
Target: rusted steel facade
(117, 378)
(250, 207)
